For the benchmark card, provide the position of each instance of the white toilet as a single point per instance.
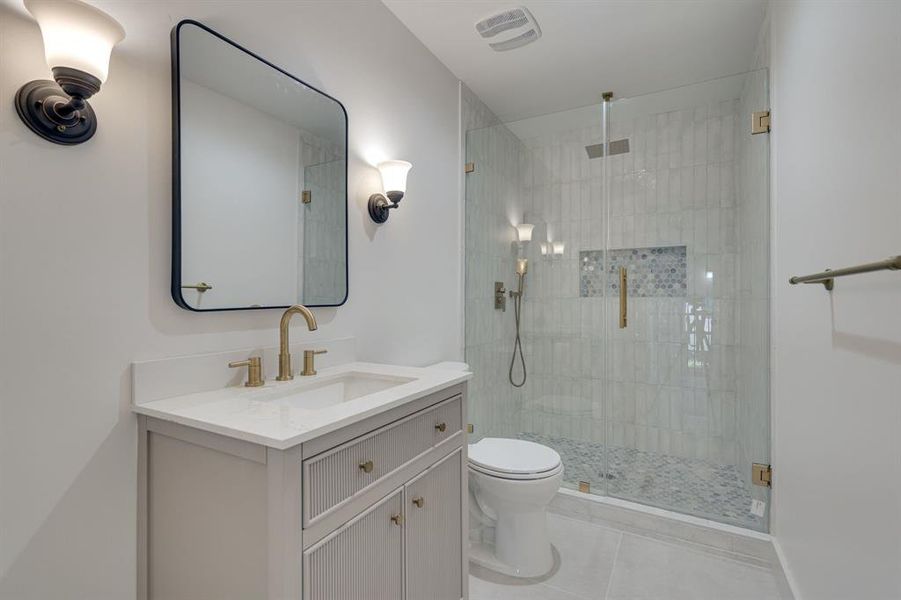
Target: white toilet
(511, 482)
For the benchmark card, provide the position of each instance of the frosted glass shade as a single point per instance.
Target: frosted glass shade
(558, 248)
(394, 175)
(524, 231)
(76, 35)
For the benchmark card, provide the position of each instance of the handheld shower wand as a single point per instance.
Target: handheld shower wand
(522, 266)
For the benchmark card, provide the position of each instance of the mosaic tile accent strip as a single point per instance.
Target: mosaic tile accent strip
(661, 271)
(693, 486)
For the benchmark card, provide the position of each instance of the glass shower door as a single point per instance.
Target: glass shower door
(687, 361)
(563, 322)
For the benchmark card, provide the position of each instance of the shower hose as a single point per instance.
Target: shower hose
(517, 344)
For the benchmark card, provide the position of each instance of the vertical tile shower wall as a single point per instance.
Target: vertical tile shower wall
(493, 203)
(673, 378)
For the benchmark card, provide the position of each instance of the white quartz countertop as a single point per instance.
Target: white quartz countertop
(265, 415)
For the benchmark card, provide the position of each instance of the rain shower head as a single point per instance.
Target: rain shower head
(616, 147)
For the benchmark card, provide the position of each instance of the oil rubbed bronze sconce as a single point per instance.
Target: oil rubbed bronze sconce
(78, 40)
(394, 180)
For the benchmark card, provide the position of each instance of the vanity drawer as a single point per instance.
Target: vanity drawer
(336, 476)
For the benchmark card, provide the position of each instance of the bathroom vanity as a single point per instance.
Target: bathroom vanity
(350, 484)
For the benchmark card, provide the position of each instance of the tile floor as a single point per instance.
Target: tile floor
(693, 486)
(600, 563)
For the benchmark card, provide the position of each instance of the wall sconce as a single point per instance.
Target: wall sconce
(394, 180)
(558, 248)
(524, 232)
(544, 249)
(78, 40)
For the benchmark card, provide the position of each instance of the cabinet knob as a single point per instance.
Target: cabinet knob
(441, 427)
(366, 467)
(397, 519)
(419, 501)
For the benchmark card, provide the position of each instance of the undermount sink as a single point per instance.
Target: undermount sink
(331, 391)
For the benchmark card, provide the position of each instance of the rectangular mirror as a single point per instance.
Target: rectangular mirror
(259, 181)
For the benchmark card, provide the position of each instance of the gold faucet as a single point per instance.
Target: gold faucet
(284, 355)
(254, 366)
(309, 362)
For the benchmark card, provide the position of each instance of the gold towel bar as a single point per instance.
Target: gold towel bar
(827, 277)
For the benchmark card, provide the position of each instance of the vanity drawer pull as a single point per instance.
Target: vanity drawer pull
(397, 519)
(419, 501)
(441, 427)
(366, 467)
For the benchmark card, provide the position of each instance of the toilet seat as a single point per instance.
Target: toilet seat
(514, 459)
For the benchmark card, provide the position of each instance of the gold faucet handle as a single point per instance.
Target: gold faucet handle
(309, 361)
(254, 366)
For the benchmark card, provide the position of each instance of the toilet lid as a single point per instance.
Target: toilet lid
(504, 455)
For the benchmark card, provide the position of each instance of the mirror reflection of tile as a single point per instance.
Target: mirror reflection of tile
(656, 271)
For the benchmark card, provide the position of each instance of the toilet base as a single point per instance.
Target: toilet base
(482, 554)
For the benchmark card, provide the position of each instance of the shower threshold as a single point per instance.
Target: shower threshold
(692, 486)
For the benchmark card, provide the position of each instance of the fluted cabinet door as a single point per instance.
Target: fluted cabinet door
(363, 560)
(433, 532)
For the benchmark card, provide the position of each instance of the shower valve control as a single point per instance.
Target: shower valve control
(500, 296)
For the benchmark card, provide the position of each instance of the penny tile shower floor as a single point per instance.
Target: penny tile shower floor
(692, 486)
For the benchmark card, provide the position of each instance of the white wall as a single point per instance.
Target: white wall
(84, 262)
(836, 85)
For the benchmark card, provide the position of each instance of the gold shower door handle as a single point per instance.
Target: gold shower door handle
(623, 297)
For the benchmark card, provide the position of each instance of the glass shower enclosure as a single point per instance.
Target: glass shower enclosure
(645, 311)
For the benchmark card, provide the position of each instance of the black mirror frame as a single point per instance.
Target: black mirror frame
(176, 282)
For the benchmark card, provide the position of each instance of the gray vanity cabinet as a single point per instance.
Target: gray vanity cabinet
(432, 532)
(371, 511)
(411, 536)
(362, 559)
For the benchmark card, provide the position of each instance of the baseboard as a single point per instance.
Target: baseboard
(786, 581)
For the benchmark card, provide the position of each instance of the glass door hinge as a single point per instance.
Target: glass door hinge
(469, 167)
(760, 122)
(762, 475)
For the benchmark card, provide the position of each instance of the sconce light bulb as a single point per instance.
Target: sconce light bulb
(544, 249)
(524, 232)
(558, 248)
(522, 266)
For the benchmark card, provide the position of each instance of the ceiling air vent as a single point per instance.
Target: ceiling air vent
(509, 29)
